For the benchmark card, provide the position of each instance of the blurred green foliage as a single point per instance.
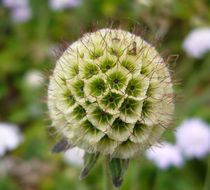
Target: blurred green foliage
(28, 46)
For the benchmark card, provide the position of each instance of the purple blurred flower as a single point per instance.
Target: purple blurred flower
(20, 10)
(64, 4)
(15, 3)
(165, 155)
(197, 43)
(193, 138)
(21, 14)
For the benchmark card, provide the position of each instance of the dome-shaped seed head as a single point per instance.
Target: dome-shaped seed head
(111, 92)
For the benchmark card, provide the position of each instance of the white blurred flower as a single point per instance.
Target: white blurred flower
(150, 3)
(74, 156)
(193, 138)
(10, 137)
(15, 3)
(21, 14)
(145, 2)
(197, 43)
(34, 78)
(64, 4)
(165, 155)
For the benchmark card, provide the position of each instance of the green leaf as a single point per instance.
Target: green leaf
(90, 160)
(118, 168)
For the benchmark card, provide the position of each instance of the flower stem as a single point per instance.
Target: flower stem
(207, 181)
(107, 179)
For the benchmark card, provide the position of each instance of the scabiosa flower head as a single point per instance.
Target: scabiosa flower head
(193, 138)
(197, 43)
(10, 137)
(165, 155)
(74, 156)
(111, 94)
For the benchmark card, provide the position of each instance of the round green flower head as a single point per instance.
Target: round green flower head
(111, 93)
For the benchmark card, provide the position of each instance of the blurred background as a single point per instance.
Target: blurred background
(33, 33)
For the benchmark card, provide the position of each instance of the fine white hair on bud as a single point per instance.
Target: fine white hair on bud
(111, 93)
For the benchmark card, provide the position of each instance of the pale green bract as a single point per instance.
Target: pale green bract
(111, 92)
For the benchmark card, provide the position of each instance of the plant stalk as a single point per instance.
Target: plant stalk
(207, 181)
(107, 179)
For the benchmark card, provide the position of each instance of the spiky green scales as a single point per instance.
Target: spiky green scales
(111, 93)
